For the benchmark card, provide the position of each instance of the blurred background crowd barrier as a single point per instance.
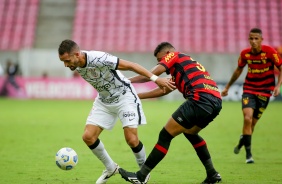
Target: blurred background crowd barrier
(213, 32)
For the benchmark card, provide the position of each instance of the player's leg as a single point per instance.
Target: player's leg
(99, 119)
(254, 122)
(131, 115)
(245, 138)
(171, 129)
(137, 147)
(261, 102)
(203, 118)
(248, 106)
(90, 137)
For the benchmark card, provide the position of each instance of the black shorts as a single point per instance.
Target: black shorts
(256, 102)
(199, 113)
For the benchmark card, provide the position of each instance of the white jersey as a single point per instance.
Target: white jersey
(101, 72)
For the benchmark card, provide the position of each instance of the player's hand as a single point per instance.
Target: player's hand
(276, 91)
(165, 84)
(224, 92)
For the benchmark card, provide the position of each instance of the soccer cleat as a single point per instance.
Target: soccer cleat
(106, 175)
(250, 160)
(216, 178)
(132, 177)
(236, 150)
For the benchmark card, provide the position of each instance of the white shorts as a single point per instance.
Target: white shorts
(129, 110)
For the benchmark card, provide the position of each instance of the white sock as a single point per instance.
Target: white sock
(140, 157)
(102, 154)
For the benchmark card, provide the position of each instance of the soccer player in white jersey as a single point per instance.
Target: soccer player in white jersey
(116, 98)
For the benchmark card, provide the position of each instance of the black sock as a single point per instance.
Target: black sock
(95, 144)
(138, 147)
(247, 144)
(156, 155)
(241, 142)
(202, 151)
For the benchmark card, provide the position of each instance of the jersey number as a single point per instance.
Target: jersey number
(200, 67)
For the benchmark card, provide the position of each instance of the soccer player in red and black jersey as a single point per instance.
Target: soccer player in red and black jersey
(258, 87)
(203, 103)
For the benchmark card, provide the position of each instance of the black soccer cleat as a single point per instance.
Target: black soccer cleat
(131, 177)
(236, 150)
(216, 178)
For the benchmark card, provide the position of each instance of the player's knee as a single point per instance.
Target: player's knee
(88, 139)
(164, 136)
(132, 141)
(248, 119)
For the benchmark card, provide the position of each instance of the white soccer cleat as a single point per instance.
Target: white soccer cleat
(250, 160)
(106, 175)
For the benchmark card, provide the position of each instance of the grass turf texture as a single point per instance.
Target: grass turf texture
(33, 131)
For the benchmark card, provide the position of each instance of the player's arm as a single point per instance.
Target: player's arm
(154, 93)
(157, 70)
(276, 90)
(163, 83)
(234, 77)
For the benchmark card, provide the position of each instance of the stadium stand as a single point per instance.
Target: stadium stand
(18, 21)
(196, 26)
(206, 26)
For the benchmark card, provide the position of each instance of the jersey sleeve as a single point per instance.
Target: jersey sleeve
(275, 57)
(241, 61)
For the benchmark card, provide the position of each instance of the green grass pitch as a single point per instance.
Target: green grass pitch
(32, 131)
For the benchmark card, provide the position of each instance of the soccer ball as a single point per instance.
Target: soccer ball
(66, 158)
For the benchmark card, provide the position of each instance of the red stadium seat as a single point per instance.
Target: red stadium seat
(195, 26)
(18, 21)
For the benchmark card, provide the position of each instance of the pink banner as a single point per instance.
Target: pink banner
(55, 88)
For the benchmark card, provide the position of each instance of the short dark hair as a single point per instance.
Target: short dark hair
(67, 46)
(256, 30)
(162, 46)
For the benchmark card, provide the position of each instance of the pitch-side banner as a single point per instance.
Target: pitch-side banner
(77, 88)
(49, 88)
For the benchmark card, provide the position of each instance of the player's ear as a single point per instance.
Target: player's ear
(77, 54)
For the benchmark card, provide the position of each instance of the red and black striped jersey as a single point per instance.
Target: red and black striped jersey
(190, 77)
(260, 78)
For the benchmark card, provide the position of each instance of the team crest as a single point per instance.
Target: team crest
(245, 101)
(92, 73)
(263, 56)
(247, 55)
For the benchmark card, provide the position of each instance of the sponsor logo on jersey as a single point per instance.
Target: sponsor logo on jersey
(208, 77)
(102, 87)
(249, 61)
(129, 114)
(113, 99)
(209, 87)
(250, 70)
(169, 57)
